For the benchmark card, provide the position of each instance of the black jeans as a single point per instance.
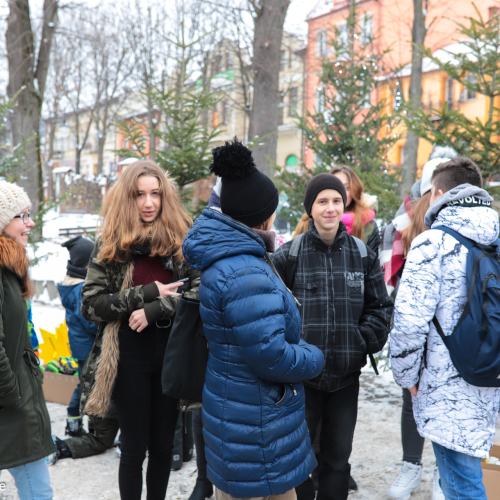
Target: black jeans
(338, 412)
(147, 418)
(74, 404)
(413, 442)
(199, 444)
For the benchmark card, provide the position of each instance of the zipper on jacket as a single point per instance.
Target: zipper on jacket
(293, 390)
(267, 260)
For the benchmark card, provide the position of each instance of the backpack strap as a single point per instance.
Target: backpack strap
(364, 258)
(363, 251)
(466, 242)
(292, 260)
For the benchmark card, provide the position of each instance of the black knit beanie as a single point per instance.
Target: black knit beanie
(319, 183)
(247, 195)
(80, 250)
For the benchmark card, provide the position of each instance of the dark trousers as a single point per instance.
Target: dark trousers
(199, 444)
(101, 436)
(74, 403)
(147, 418)
(338, 412)
(413, 442)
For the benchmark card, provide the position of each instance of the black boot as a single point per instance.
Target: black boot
(353, 487)
(202, 489)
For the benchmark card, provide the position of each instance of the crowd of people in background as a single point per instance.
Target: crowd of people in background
(289, 330)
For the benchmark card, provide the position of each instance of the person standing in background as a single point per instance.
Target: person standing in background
(131, 291)
(25, 429)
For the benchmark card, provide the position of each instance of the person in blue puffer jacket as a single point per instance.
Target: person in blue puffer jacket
(256, 438)
(81, 332)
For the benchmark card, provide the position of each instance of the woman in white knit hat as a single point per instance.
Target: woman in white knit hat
(25, 435)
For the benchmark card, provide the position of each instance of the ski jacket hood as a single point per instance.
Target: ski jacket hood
(448, 207)
(447, 410)
(257, 442)
(216, 237)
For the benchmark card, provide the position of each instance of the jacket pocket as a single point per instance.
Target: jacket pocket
(355, 283)
(288, 393)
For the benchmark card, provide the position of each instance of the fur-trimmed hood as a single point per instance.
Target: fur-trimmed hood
(13, 258)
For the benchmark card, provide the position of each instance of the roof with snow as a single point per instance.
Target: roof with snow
(445, 54)
(321, 8)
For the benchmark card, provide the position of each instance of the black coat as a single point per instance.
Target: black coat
(24, 420)
(345, 312)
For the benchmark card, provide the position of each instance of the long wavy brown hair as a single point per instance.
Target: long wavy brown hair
(302, 226)
(122, 227)
(357, 206)
(417, 225)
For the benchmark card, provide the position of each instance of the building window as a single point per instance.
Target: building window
(321, 43)
(217, 65)
(281, 109)
(468, 93)
(282, 59)
(229, 62)
(320, 101)
(448, 94)
(293, 101)
(344, 34)
(225, 112)
(366, 29)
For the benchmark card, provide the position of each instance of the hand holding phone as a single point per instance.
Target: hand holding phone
(167, 290)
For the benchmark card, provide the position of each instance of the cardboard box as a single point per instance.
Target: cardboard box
(58, 388)
(491, 475)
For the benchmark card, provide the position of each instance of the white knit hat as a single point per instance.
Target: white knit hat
(427, 172)
(13, 199)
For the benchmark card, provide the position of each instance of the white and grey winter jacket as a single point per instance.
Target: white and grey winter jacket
(448, 411)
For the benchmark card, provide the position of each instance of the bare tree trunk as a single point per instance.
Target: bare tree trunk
(410, 149)
(266, 64)
(49, 160)
(28, 77)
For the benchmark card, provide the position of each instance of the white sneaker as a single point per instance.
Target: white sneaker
(406, 483)
(437, 492)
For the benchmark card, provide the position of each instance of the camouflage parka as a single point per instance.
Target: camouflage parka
(108, 295)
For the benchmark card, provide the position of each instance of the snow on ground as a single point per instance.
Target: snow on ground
(376, 456)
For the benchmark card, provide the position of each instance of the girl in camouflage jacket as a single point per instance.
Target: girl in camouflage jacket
(131, 292)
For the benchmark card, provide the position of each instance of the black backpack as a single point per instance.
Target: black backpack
(291, 268)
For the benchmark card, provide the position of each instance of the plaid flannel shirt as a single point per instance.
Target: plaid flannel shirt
(345, 312)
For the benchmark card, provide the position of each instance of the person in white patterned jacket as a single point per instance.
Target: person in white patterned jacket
(458, 418)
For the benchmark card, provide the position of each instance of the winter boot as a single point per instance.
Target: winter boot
(353, 486)
(74, 426)
(202, 489)
(437, 492)
(406, 483)
(62, 451)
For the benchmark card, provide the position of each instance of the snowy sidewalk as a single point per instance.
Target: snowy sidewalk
(376, 457)
(375, 460)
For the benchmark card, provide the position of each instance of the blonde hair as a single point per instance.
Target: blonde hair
(417, 225)
(122, 227)
(357, 206)
(302, 226)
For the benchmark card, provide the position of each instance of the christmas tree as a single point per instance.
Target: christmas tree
(351, 124)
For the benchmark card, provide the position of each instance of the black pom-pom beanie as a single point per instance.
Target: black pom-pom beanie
(247, 195)
(319, 183)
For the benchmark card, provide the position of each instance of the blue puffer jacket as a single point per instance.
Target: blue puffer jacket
(256, 438)
(81, 332)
